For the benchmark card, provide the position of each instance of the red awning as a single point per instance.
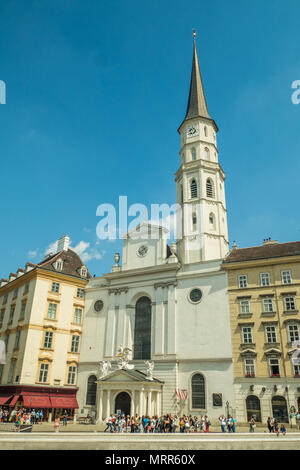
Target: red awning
(64, 402)
(3, 400)
(14, 400)
(31, 401)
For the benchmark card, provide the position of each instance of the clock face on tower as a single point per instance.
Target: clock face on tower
(192, 131)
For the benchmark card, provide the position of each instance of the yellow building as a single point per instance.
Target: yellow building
(264, 297)
(41, 314)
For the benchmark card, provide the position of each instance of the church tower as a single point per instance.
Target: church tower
(202, 234)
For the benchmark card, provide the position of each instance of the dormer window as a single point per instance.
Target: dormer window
(83, 271)
(59, 265)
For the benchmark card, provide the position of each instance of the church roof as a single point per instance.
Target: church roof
(197, 106)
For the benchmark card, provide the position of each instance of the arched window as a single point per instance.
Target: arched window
(91, 390)
(194, 191)
(193, 154)
(212, 220)
(209, 188)
(206, 153)
(205, 131)
(253, 408)
(279, 409)
(142, 329)
(198, 391)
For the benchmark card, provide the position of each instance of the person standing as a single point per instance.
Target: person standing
(269, 424)
(207, 423)
(252, 424)
(233, 423)
(56, 424)
(223, 423)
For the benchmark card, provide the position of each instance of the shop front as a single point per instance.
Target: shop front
(52, 401)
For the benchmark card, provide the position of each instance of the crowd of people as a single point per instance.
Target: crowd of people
(21, 416)
(164, 424)
(273, 426)
(227, 424)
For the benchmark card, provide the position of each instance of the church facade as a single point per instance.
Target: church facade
(156, 332)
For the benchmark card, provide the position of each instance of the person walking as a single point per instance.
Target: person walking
(252, 424)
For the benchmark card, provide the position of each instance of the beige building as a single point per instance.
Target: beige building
(41, 314)
(264, 296)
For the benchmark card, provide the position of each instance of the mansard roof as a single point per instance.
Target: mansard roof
(72, 263)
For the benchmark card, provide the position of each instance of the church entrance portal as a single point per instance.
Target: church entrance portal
(122, 403)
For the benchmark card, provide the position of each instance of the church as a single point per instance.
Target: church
(156, 332)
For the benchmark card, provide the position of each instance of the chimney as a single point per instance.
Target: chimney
(268, 241)
(234, 245)
(63, 243)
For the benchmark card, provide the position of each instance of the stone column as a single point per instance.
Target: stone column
(132, 408)
(159, 323)
(149, 411)
(158, 403)
(141, 402)
(120, 313)
(107, 403)
(110, 326)
(171, 316)
(100, 417)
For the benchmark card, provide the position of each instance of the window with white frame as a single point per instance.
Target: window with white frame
(264, 279)
(52, 308)
(296, 368)
(55, 287)
(15, 292)
(59, 265)
(286, 277)
(268, 305)
(80, 293)
(78, 316)
(293, 331)
(72, 375)
(274, 365)
(244, 306)
(11, 371)
(5, 297)
(289, 303)
(271, 336)
(26, 288)
(242, 280)
(83, 271)
(247, 336)
(17, 339)
(249, 364)
(22, 311)
(43, 373)
(75, 343)
(48, 339)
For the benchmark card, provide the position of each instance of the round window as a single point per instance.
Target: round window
(98, 306)
(195, 295)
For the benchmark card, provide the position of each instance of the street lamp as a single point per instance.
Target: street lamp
(227, 406)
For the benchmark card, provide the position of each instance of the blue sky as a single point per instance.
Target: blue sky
(95, 93)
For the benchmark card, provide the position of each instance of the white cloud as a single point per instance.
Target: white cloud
(86, 253)
(52, 248)
(32, 254)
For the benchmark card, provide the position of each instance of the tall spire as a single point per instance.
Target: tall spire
(197, 106)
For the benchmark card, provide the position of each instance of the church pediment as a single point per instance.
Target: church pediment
(123, 375)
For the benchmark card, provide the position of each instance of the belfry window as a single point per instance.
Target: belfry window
(198, 391)
(194, 192)
(209, 188)
(142, 329)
